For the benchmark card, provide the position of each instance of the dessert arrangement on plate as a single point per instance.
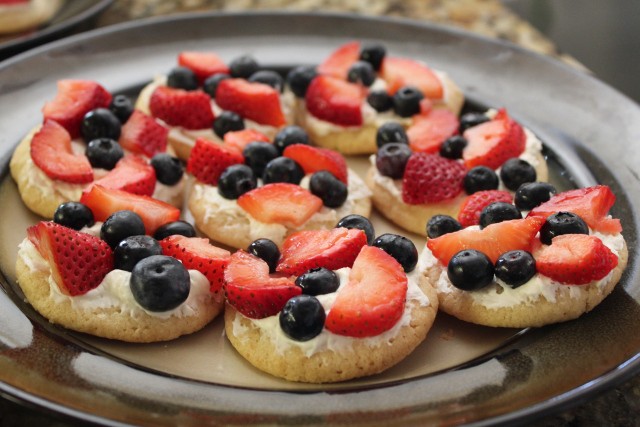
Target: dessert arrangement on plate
(226, 187)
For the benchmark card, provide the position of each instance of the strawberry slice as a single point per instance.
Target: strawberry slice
(575, 259)
(428, 131)
(105, 201)
(51, 151)
(252, 100)
(241, 138)
(336, 101)
(373, 299)
(178, 107)
(314, 159)
(493, 240)
(430, 178)
(250, 290)
(141, 134)
(592, 204)
(208, 160)
(74, 99)
(338, 63)
(203, 64)
(332, 249)
(79, 261)
(280, 203)
(494, 142)
(400, 72)
(132, 174)
(198, 254)
(472, 206)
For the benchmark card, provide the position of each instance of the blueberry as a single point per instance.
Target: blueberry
(266, 250)
(515, 268)
(227, 121)
(562, 223)
(380, 100)
(182, 78)
(392, 159)
(330, 189)
(120, 225)
(179, 227)
(133, 249)
(373, 54)
(282, 169)
(497, 212)
(480, 178)
(122, 107)
(268, 77)
(470, 270)
(299, 79)
(290, 135)
(211, 83)
(243, 67)
(104, 153)
(302, 318)
(533, 194)
(361, 72)
(236, 180)
(515, 172)
(406, 101)
(160, 283)
(258, 154)
(318, 281)
(169, 169)
(399, 247)
(440, 225)
(471, 119)
(359, 222)
(452, 147)
(100, 123)
(73, 215)
(391, 132)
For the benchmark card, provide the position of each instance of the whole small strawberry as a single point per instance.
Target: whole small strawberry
(430, 178)
(472, 206)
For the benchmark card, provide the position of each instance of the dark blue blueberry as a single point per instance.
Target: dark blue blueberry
(480, 178)
(468, 120)
(282, 169)
(104, 153)
(392, 159)
(373, 54)
(243, 67)
(133, 249)
(440, 225)
(210, 85)
(258, 154)
(169, 169)
(470, 270)
(73, 215)
(160, 283)
(561, 223)
(119, 226)
(361, 72)
(236, 180)
(182, 228)
(302, 318)
(266, 250)
(515, 268)
(406, 101)
(330, 189)
(227, 121)
(268, 77)
(299, 79)
(533, 194)
(359, 222)
(182, 78)
(399, 247)
(122, 107)
(318, 281)
(515, 172)
(380, 100)
(452, 147)
(290, 135)
(497, 212)
(100, 123)
(391, 132)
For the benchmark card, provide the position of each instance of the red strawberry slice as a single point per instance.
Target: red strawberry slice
(241, 138)
(494, 142)
(430, 178)
(51, 151)
(400, 72)
(198, 254)
(472, 206)
(592, 204)
(332, 249)
(493, 240)
(141, 134)
(252, 100)
(79, 261)
(575, 259)
(203, 64)
(250, 290)
(338, 63)
(314, 159)
(132, 174)
(428, 131)
(105, 201)
(280, 203)
(208, 160)
(336, 101)
(74, 99)
(178, 107)
(373, 299)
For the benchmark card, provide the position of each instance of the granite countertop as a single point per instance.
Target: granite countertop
(615, 407)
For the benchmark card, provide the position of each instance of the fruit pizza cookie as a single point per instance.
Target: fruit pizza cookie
(23, 15)
(436, 163)
(558, 262)
(204, 97)
(329, 307)
(249, 187)
(97, 269)
(90, 138)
